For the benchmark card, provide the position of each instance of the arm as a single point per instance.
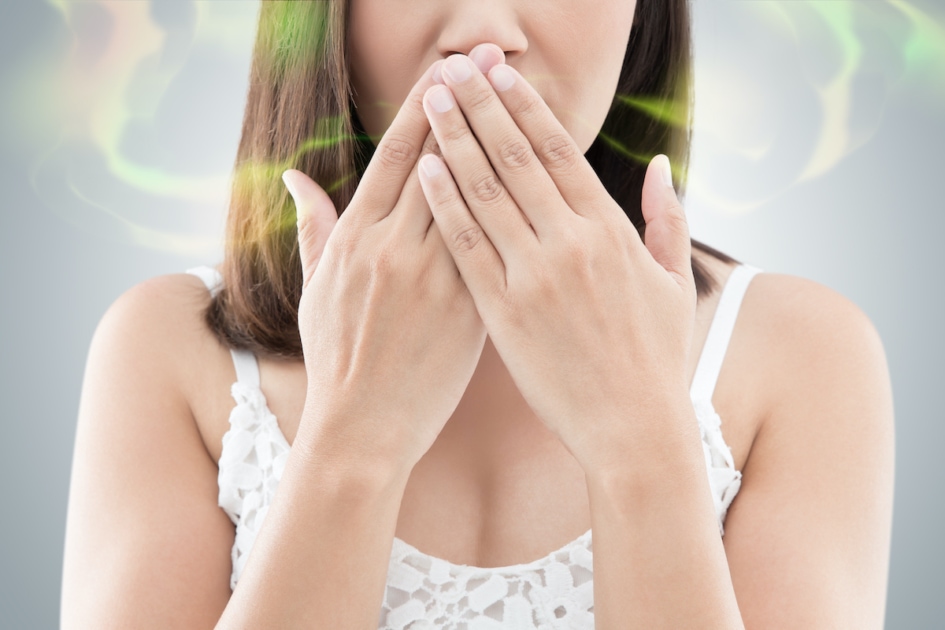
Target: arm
(146, 544)
(807, 538)
(321, 557)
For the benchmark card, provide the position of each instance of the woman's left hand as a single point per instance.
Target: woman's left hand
(593, 324)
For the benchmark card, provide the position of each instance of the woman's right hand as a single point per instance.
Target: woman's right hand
(390, 334)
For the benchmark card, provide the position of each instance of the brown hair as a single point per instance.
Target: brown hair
(300, 114)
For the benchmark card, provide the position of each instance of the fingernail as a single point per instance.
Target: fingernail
(287, 179)
(441, 99)
(502, 78)
(430, 165)
(458, 68)
(484, 59)
(666, 171)
(438, 72)
(292, 185)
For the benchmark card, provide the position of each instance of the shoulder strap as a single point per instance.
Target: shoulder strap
(720, 332)
(247, 369)
(212, 278)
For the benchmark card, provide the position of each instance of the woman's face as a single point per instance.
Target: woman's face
(570, 51)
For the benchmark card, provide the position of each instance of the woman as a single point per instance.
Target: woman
(445, 367)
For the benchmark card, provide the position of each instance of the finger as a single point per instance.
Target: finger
(667, 231)
(475, 256)
(486, 55)
(491, 205)
(483, 55)
(559, 153)
(435, 239)
(396, 155)
(508, 150)
(316, 219)
(411, 215)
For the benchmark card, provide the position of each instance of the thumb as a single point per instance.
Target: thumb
(315, 217)
(667, 230)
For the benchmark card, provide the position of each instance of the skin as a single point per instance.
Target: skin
(804, 395)
(389, 47)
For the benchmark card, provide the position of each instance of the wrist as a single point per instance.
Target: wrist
(330, 443)
(659, 439)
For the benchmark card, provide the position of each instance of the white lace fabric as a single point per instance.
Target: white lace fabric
(251, 464)
(425, 592)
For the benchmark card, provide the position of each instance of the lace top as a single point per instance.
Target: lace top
(425, 592)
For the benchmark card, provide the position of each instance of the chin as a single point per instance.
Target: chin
(580, 131)
(584, 140)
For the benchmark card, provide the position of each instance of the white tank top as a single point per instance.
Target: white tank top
(425, 592)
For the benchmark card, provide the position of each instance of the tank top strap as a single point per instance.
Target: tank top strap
(212, 278)
(720, 332)
(247, 368)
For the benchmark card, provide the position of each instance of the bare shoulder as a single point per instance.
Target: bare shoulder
(792, 301)
(141, 335)
(807, 537)
(163, 317)
(819, 360)
(171, 304)
(144, 531)
(815, 335)
(157, 314)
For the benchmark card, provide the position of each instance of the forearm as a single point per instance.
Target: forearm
(659, 561)
(321, 558)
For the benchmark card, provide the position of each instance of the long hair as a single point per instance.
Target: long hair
(300, 114)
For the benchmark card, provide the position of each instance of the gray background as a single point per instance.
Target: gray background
(817, 153)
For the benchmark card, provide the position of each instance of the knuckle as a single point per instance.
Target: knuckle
(514, 154)
(575, 252)
(524, 107)
(676, 219)
(486, 189)
(382, 261)
(443, 197)
(414, 102)
(558, 151)
(395, 152)
(467, 239)
(456, 133)
(479, 101)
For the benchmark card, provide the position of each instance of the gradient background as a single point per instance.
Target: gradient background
(817, 152)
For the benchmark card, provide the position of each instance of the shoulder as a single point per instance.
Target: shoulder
(815, 336)
(158, 325)
(828, 394)
(812, 519)
(136, 454)
(163, 300)
(798, 341)
(803, 304)
(161, 317)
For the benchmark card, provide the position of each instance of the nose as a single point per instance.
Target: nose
(473, 22)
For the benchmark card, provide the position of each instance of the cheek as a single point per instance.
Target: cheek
(589, 72)
(380, 64)
(581, 104)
